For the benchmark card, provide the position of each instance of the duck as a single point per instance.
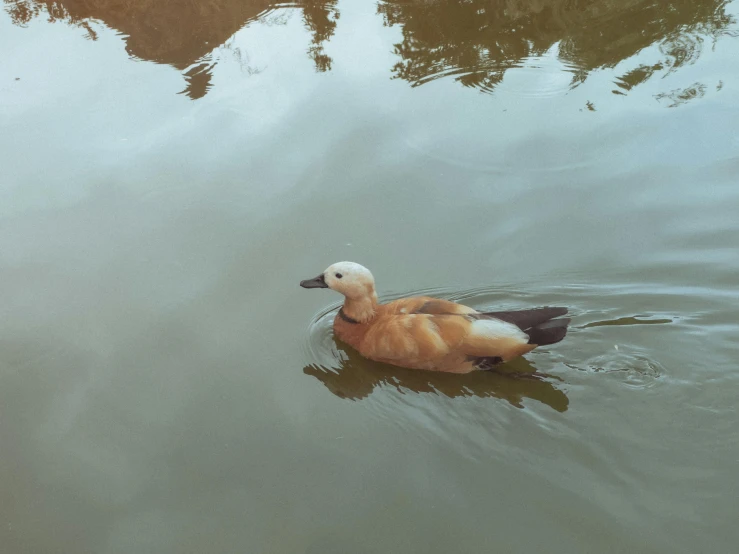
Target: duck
(433, 334)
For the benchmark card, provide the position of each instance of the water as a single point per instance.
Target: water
(169, 172)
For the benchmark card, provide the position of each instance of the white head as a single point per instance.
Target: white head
(350, 279)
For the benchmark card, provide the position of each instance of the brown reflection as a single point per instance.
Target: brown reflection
(478, 40)
(358, 377)
(180, 33)
(320, 18)
(622, 321)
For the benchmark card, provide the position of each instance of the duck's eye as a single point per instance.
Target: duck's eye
(339, 275)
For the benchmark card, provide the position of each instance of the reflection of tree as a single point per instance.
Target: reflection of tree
(478, 40)
(181, 33)
(681, 96)
(320, 17)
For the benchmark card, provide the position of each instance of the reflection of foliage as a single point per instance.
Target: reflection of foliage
(320, 18)
(681, 96)
(23, 11)
(478, 40)
(242, 58)
(198, 80)
(637, 76)
(181, 33)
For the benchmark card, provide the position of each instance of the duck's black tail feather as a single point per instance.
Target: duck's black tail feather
(525, 319)
(549, 332)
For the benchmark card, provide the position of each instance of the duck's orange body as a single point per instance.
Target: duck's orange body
(429, 333)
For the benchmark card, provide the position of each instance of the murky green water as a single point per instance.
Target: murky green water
(170, 170)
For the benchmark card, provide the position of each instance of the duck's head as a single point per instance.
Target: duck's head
(348, 278)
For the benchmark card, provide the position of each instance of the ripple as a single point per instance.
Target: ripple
(682, 50)
(537, 76)
(319, 344)
(635, 369)
(541, 77)
(274, 9)
(679, 97)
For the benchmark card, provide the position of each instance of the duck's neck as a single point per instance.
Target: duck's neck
(361, 309)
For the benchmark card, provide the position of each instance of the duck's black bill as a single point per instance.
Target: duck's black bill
(316, 283)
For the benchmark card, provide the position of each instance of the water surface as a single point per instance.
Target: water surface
(169, 172)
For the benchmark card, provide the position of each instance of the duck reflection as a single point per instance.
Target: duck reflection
(180, 33)
(477, 41)
(357, 378)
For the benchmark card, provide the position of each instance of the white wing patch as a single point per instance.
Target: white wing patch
(497, 329)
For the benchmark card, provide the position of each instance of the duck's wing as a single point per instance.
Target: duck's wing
(427, 305)
(525, 319)
(407, 338)
(414, 339)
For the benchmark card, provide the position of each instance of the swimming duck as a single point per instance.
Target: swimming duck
(421, 332)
